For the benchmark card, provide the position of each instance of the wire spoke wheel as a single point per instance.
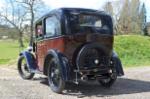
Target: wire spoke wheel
(23, 69)
(91, 55)
(55, 79)
(92, 58)
(55, 74)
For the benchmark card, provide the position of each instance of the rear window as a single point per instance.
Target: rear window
(89, 20)
(81, 23)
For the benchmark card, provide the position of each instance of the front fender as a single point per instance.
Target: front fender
(31, 62)
(117, 64)
(60, 59)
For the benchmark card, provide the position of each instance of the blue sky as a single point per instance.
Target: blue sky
(94, 4)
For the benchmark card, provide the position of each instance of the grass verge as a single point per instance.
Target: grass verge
(9, 51)
(134, 50)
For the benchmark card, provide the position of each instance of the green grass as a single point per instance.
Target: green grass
(134, 50)
(9, 51)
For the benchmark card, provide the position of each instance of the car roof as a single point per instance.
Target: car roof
(63, 10)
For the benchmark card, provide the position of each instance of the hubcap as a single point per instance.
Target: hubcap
(96, 61)
(92, 58)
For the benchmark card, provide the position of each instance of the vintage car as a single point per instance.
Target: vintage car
(72, 45)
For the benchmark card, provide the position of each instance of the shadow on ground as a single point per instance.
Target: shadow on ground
(122, 86)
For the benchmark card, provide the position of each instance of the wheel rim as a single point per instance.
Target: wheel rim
(91, 58)
(24, 68)
(54, 74)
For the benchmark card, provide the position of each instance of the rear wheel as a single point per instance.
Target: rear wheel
(109, 81)
(23, 68)
(55, 79)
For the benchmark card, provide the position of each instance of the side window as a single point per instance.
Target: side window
(52, 26)
(39, 30)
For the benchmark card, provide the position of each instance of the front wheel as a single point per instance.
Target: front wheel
(23, 69)
(55, 79)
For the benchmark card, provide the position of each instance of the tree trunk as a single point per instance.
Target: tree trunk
(31, 37)
(20, 39)
(32, 26)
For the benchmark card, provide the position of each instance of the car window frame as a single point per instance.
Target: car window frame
(40, 37)
(57, 34)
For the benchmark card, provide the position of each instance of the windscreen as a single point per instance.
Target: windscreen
(90, 23)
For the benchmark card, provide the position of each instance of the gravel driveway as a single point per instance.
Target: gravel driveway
(134, 85)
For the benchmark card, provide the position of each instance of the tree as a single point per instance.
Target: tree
(134, 13)
(14, 17)
(117, 8)
(19, 13)
(125, 18)
(128, 19)
(31, 7)
(142, 19)
(108, 8)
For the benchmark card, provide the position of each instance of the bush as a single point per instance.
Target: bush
(134, 50)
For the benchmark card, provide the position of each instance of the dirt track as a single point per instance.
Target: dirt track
(134, 85)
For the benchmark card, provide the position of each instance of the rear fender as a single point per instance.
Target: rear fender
(31, 62)
(118, 64)
(63, 63)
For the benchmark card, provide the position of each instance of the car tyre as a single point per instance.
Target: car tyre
(23, 69)
(109, 81)
(55, 79)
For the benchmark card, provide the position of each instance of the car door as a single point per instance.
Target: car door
(40, 45)
(53, 36)
(50, 38)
